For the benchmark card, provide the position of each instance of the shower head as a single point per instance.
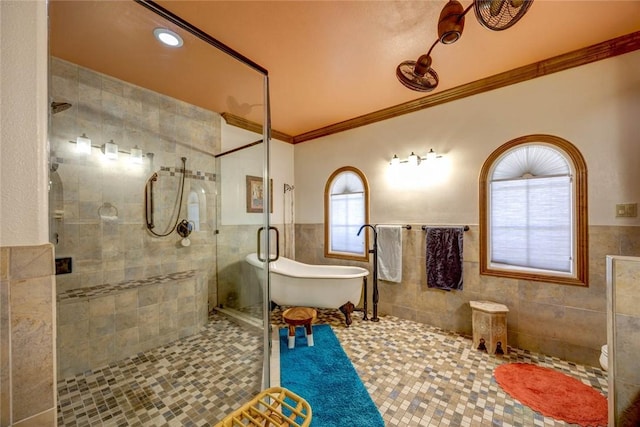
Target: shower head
(288, 187)
(57, 107)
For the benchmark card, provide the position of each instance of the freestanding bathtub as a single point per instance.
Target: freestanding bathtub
(322, 286)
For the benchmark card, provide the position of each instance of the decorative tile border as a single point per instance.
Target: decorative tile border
(106, 289)
(199, 175)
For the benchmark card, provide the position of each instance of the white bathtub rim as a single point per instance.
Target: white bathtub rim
(310, 271)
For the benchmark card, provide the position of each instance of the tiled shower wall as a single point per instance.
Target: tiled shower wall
(558, 320)
(27, 336)
(99, 326)
(97, 205)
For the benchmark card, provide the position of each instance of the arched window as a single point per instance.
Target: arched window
(533, 211)
(346, 209)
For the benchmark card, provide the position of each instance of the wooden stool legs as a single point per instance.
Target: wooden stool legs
(299, 316)
(308, 332)
(292, 336)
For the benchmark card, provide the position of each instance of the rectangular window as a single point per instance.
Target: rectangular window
(531, 223)
(347, 215)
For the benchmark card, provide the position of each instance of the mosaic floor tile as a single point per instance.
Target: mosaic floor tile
(416, 374)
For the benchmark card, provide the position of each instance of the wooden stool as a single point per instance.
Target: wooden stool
(299, 316)
(489, 324)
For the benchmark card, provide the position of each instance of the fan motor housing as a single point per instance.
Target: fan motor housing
(451, 22)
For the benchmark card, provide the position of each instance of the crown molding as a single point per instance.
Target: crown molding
(245, 124)
(608, 49)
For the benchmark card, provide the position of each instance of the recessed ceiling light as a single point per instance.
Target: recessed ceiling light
(168, 37)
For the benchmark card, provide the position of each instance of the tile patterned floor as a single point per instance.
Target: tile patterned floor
(192, 382)
(416, 374)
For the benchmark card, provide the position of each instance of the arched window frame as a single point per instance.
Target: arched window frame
(364, 256)
(580, 221)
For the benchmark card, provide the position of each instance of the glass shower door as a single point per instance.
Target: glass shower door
(163, 104)
(237, 88)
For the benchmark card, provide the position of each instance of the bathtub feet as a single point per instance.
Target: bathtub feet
(347, 309)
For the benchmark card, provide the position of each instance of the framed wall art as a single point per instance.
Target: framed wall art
(255, 194)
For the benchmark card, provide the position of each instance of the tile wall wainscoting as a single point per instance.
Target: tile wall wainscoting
(563, 321)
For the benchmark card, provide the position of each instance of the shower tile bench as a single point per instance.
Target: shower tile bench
(102, 324)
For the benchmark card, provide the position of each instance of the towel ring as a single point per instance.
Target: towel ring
(112, 211)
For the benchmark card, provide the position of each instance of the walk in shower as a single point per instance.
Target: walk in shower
(152, 211)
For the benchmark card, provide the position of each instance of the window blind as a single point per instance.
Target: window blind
(531, 223)
(347, 215)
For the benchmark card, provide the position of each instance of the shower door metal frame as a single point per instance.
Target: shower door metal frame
(266, 135)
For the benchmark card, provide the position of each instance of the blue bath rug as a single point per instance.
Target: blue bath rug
(324, 376)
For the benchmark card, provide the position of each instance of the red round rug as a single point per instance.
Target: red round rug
(553, 393)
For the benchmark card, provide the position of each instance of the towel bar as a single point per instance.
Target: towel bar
(424, 227)
(408, 226)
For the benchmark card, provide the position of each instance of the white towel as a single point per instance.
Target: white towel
(390, 252)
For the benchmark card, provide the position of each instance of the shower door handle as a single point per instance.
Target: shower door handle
(277, 244)
(259, 244)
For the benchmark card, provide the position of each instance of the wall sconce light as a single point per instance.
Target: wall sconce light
(414, 159)
(110, 150)
(83, 144)
(136, 155)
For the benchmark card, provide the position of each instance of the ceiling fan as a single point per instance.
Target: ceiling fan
(496, 15)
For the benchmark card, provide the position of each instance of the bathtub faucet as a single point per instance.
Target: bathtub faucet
(376, 296)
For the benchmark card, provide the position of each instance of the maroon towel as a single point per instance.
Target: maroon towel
(444, 257)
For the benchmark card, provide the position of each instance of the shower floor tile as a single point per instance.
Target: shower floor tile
(194, 381)
(416, 374)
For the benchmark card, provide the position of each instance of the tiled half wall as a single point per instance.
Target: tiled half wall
(623, 286)
(27, 336)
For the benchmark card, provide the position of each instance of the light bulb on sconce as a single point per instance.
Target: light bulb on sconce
(136, 155)
(414, 159)
(110, 150)
(83, 144)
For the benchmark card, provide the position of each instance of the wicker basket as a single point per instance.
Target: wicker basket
(265, 410)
